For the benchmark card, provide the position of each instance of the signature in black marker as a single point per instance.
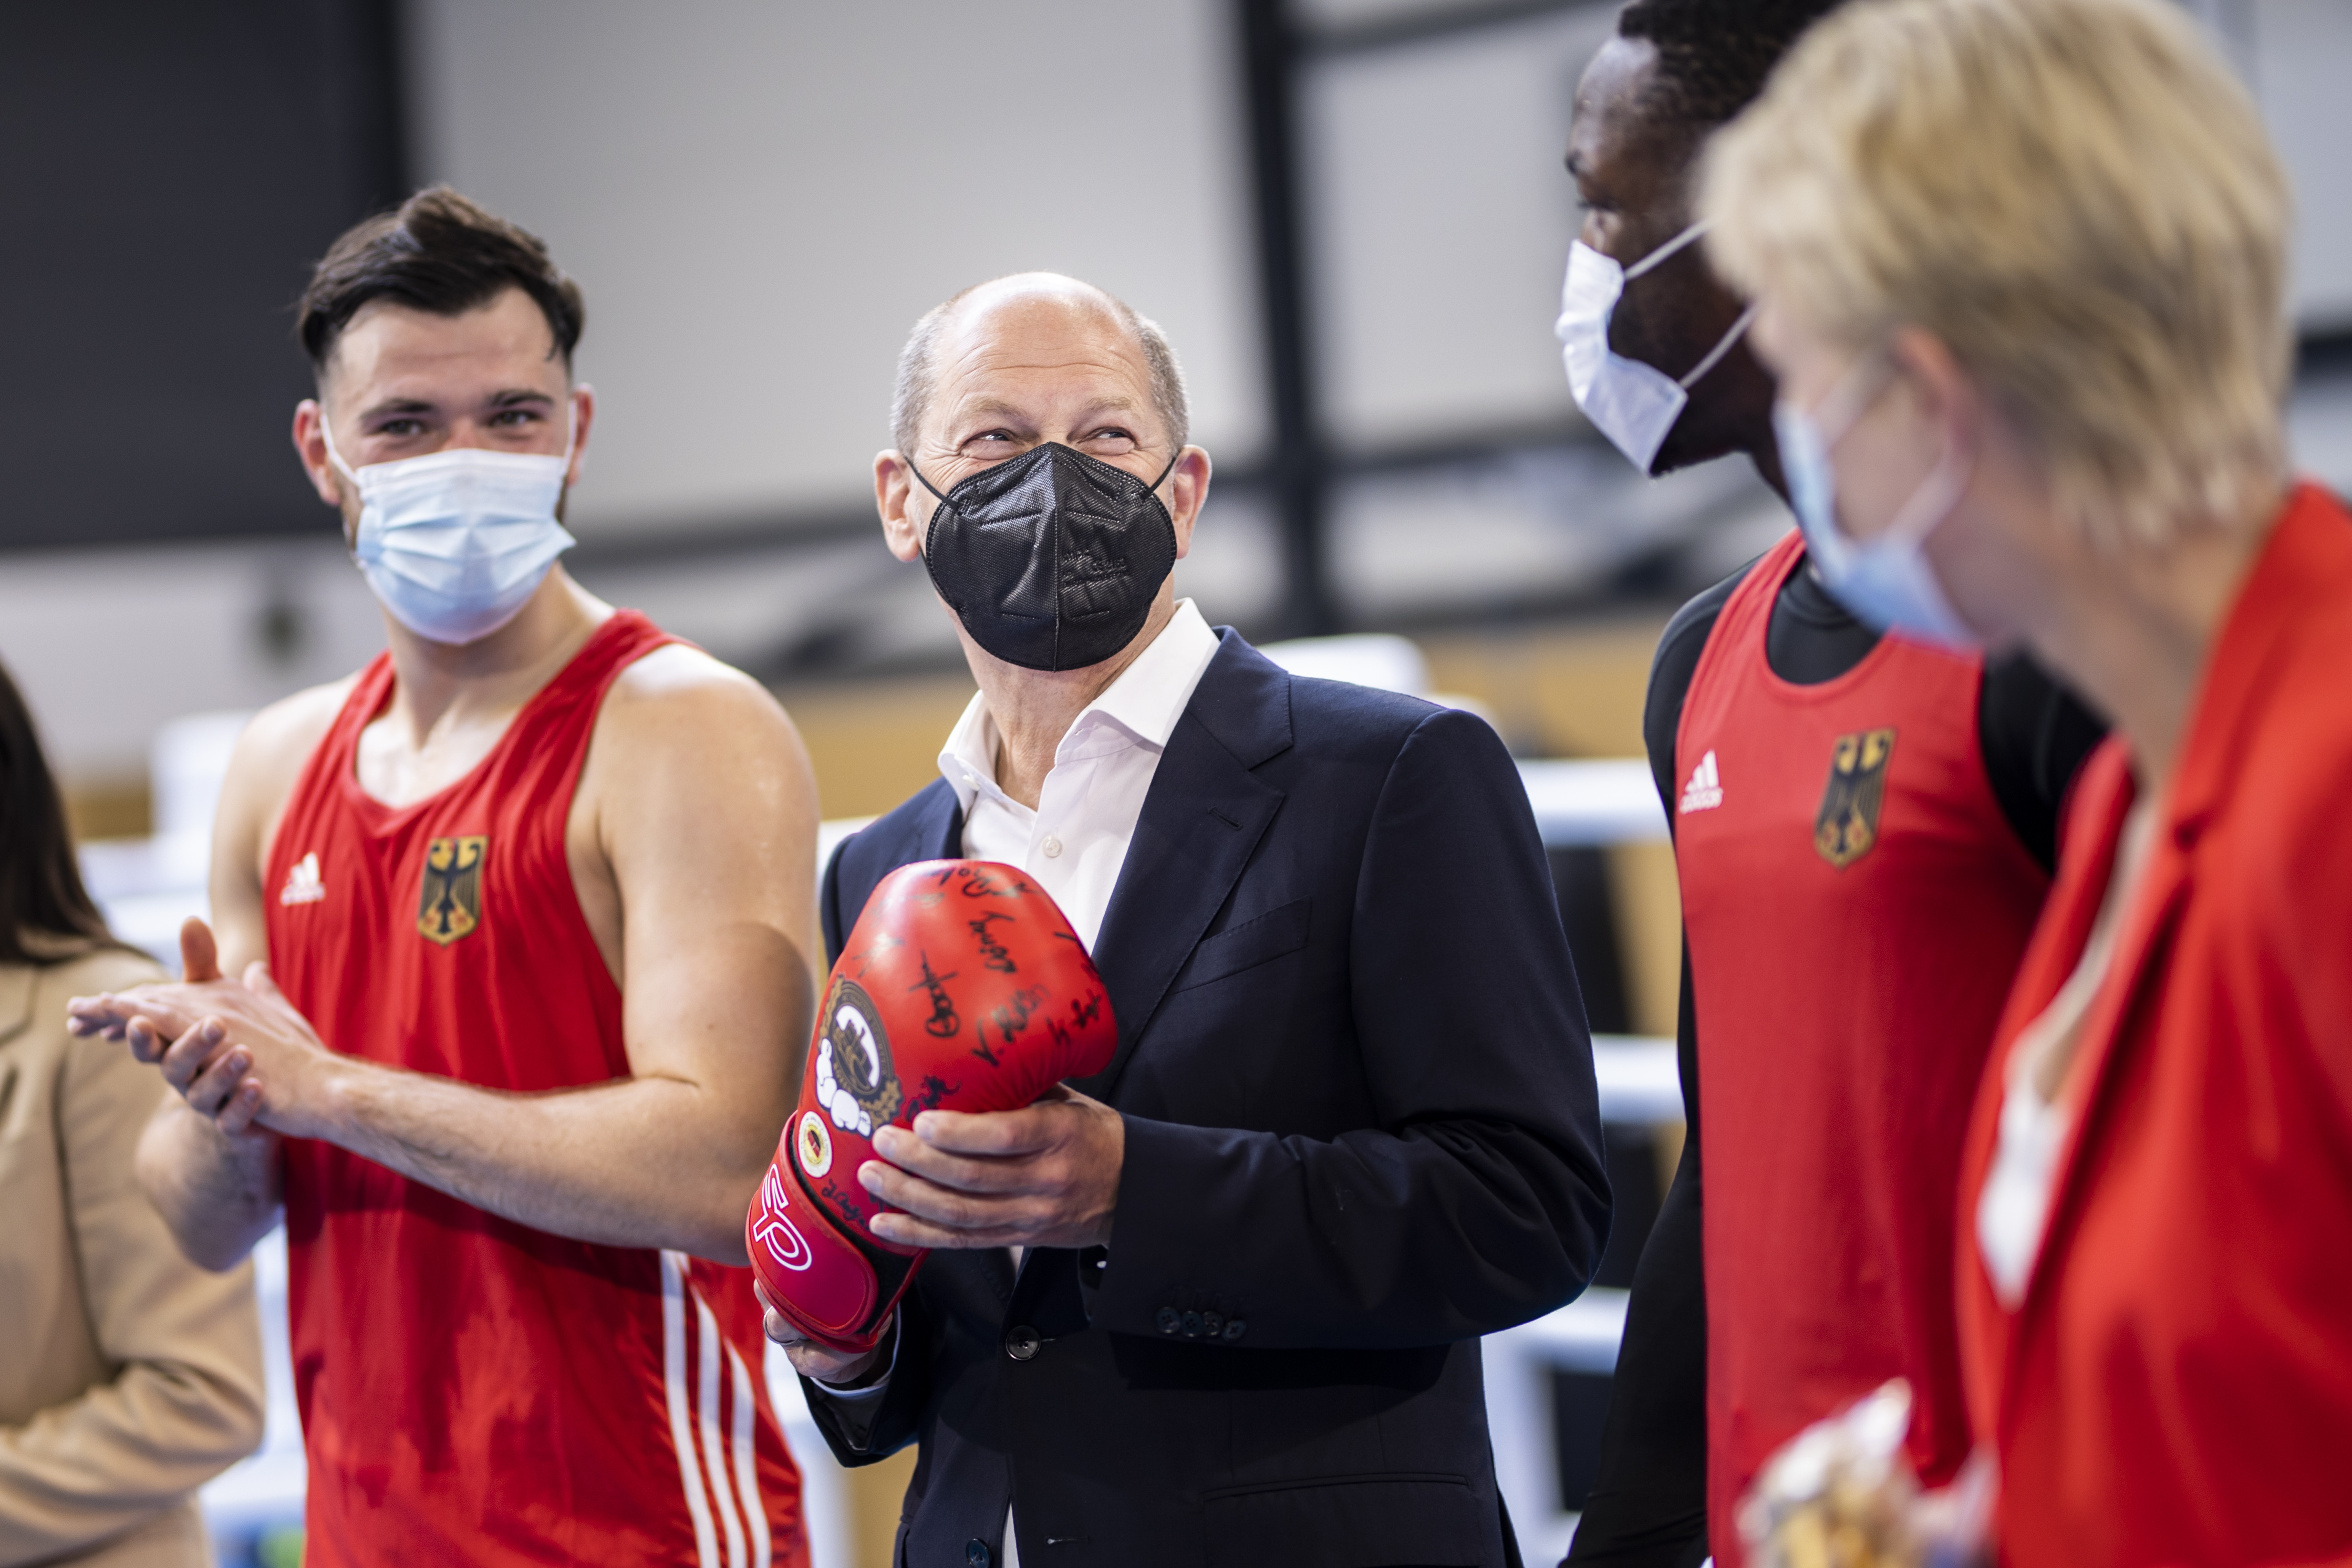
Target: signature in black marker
(1084, 957)
(943, 1021)
(864, 957)
(1010, 1020)
(851, 1208)
(993, 955)
(934, 1090)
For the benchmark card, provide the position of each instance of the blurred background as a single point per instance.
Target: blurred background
(1350, 215)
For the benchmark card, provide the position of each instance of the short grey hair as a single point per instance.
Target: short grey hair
(911, 396)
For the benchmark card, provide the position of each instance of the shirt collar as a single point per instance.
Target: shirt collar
(968, 762)
(1145, 703)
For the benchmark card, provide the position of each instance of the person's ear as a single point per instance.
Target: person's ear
(1941, 390)
(310, 446)
(1188, 489)
(894, 498)
(583, 414)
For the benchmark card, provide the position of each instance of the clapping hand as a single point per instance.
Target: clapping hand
(236, 1050)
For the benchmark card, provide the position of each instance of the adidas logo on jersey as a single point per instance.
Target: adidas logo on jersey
(1705, 790)
(302, 884)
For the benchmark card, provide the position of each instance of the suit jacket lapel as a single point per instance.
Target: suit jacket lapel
(1201, 822)
(932, 830)
(940, 835)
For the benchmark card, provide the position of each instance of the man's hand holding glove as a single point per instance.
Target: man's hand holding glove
(961, 1002)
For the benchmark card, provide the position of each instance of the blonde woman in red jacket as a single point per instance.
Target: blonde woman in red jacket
(2022, 270)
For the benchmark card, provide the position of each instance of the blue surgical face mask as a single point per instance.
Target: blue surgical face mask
(1633, 403)
(1886, 580)
(454, 543)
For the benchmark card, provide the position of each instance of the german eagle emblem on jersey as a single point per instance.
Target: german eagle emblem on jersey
(1847, 827)
(449, 905)
(854, 1081)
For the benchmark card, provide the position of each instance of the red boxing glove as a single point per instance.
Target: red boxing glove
(961, 988)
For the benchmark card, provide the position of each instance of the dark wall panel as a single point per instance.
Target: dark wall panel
(173, 167)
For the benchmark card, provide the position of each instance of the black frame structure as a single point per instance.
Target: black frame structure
(175, 169)
(1278, 49)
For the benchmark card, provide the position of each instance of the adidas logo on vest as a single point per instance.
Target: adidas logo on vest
(303, 881)
(1705, 790)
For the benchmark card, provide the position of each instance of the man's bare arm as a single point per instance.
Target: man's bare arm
(703, 807)
(213, 1176)
(210, 1172)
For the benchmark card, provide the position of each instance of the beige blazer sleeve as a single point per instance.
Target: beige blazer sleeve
(129, 1376)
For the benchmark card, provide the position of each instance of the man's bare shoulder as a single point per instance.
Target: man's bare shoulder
(282, 735)
(679, 690)
(262, 771)
(690, 750)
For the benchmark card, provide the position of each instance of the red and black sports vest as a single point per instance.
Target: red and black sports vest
(1855, 904)
(473, 1390)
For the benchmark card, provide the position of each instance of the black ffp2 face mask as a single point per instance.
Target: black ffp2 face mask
(1051, 560)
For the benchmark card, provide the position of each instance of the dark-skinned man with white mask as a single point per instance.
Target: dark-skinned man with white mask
(1219, 1302)
(1865, 825)
(508, 974)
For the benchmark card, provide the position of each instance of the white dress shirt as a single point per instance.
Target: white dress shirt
(1076, 841)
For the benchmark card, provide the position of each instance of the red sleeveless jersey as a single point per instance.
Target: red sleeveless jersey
(1855, 905)
(473, 1390)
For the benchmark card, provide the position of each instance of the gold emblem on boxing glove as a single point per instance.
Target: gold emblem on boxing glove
(855, 1083)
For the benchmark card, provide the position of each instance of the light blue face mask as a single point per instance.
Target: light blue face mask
(1886, 580)
(454, 543)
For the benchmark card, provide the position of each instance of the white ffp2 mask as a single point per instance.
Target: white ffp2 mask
(454, 542)
(1631, 403)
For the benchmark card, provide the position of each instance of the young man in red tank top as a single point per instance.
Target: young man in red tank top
(1864, 829)
(535, 896)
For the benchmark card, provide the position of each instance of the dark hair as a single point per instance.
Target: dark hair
(440, 252)
(45, 914)
(1715, 55)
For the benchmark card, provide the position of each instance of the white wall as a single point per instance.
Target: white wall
(760, 198)
(107, 645)
(1441, 220)
(2298, 55)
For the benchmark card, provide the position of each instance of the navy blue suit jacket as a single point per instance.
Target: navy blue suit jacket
(1361, 1130)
